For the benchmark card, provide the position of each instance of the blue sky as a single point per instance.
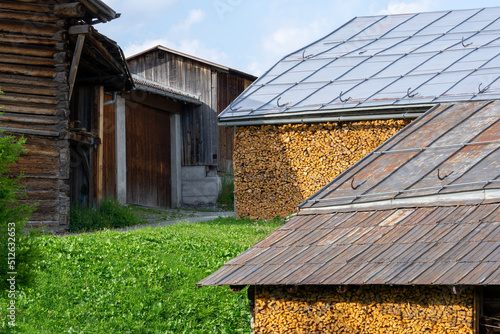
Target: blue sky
(249, 36)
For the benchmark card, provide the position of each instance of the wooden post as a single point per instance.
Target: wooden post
(99, 150)
(74, 63)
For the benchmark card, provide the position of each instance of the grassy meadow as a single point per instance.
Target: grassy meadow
(137, 282)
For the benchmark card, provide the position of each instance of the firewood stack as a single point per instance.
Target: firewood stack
(277, 167)
(363, 309)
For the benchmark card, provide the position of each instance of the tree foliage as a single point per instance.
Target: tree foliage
(13, 217)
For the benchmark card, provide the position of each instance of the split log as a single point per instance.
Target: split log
(365, 309)
(278, 167)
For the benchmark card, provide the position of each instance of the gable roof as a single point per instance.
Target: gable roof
(216, 66)
(381, 65)
(424, 208)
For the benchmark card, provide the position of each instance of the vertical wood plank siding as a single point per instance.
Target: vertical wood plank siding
(148, 156)
(201, 137)
(33, 71)
(109, 142)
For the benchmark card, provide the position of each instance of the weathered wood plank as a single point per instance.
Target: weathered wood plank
(29, 7)
(37, 51)
(27, 16)
(27, 70)
(8, 117)
(24, 39)
(28, 81)
(28, 28)
(27, 98)
(26, 60)
(21, 89)
(29, 109)
(99, 161)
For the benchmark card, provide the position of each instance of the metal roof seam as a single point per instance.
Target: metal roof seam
(397, 78)
(351, 69)
(404, 133)
(353, 51)
(429, 145)
(470, 73)
(416, 35)
(474, 165)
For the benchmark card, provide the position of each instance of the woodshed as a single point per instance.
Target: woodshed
(322, 108)
(54, 71)
(405, 241)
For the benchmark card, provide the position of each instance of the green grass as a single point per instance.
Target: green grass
(138, 282)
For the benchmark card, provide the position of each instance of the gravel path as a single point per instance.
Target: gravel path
(190, 217)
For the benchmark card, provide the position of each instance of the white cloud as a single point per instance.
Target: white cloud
(407, 7)
(182, 28)
(288, 39)
(256, 68)
(134, 7)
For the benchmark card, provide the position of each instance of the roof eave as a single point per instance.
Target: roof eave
(330, 115)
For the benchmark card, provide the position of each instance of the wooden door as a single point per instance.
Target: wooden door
(148, 156)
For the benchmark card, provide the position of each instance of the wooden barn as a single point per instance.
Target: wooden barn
(56, 72)
(174, 148)
(405, 241)
(324, 107)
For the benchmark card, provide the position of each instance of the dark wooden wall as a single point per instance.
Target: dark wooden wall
(148, 156)
(33, 72)
(229, 87)
(199, 142)
(81, 180)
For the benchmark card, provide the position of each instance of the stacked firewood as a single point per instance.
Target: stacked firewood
(365, 309)
(277, 167)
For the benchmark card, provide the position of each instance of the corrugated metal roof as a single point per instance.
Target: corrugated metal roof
(406, 251)
(165, 91)
(424, 208)
(391, 61)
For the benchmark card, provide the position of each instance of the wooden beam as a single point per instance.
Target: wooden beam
(46, 133)
(74, 64)
(69, 10)
(81, 29)
(100, 148)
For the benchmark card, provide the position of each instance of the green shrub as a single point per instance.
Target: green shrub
(109, 214)
(13, 218)
(226, 196)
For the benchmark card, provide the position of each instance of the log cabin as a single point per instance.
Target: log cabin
(57, 74)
